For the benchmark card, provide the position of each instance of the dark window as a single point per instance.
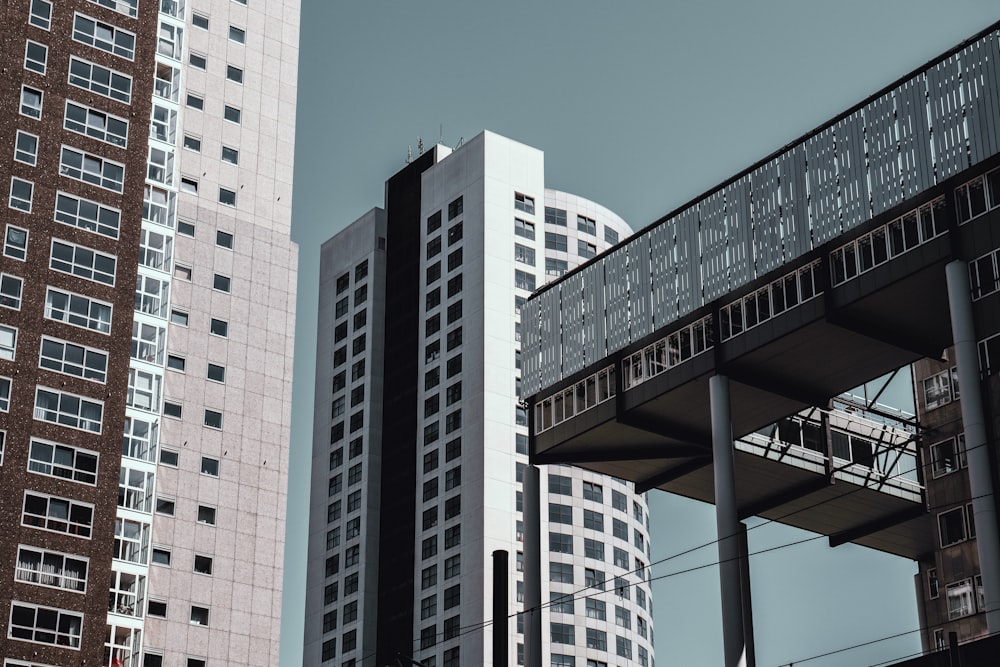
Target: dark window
(455, 259)
(454, 366)
(455, 208)
(343, 282)
(434, 222)
(454, 285)
(455, 233)
(433, 272)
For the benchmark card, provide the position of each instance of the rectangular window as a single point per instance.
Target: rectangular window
(524, 254)
(199, 21)
(555, 267)
(77, 310)
(213, 418)
(53, 569)
(41, 14)
(230, 155)
(586, 225)
(58, 515)
(101, 80)
(21, 194)
(35, 56)
(206, 515)
(524, 203)
(610, 236)
(219, 327)
(584, 249)
(555, 241)
(90, 168)
(455, 208)
(15, 243)
(948, 456)
(525, 281)
(10, 291)
(31, 102)
(559, 484)
(89, 215)
(234, 73)
(26, 148)
(45, 625)
(593, 492)
(96, 124)
(8, 342)
(227, 197)
(593, 549)
(195, 102)
(455, 259)
(237, 35)
(126, 7)
(104, 36)
(961, 600)
(69, 410)
(82, 262)
(555, 216)
(593, 520)
(560, 543)
(560, 514)
(197, 60)
(72, 359)
(232, 114)
(524, 229)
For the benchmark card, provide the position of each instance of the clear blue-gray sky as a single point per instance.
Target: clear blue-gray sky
(639, 106)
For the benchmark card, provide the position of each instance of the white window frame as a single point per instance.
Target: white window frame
(961, 599)
(91, 76)
(957, 445)
(96, 124)
(5, 384)
(90, 36)
(72, 316)
(8, 285)
(89, 215)
(78, 264)
(30, 109)
(144, 390)
(127, 7)
(8, 350)
(51, 570)
(85, 167)
(33, 64)
(62, 638)
(37, 19)
(18, 252)
(63, 417)
(25, 155)
(93, 365)
(132, 541)
(76, 528)
(18, 202)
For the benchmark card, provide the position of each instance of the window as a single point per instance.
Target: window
(41, 14)
(43, 567)
(452, 596)
(952, 526)
(622, 588)
(454, 285)
(586, 225)
(213, 418)
(35, 56)
(219, 328)
(352, 557)
(31, 102)
(428, 547)
(621, 558)
(10, 291)
(92, 169)
(560, 514)
(44, 625)
(165, 506)
(103, 36)
(596, 609)
(455, 259)
(618, 501)
(948, 456)
(227, 197)
(524, 229)
(57, 514)
(209, 466)
(452, 566)
(185, 228)
(555, 216)
(157, 608)
(584, 249)
(232, 114)
(524, 254)
(455, 233)
(69, 410)
(555, 241)
(83, 262)
(454, 366)
(199, 615)
(224, 240)
(63, 461)
(71, 359)
(230, 155)
(933, 584)
(192, 143)
(960, 599)
(428, 636)
(15, 244)
(623, 617)
(452, 450)
(623, 647)
(593, 492)
(523, 280)
(561, 485)
(206, 515)
(455, 208)
(561, 572)
(562, 633)
(452, 478)
(524, 203)
(101, 80)
(216, 372)
(98, 125)
(237, 35)
(221, 282)
(172, 409)
(610, 235)
(199, 21)
(234, 73)
(161, 557)
(941, 388)
(597, 639)
(168, 457)
(619, 529)
(197, 60)
(21, 193)
(195, 102)
(593, 549)
(555, 267)
(593, 520)
(26, 148)
(452, 507)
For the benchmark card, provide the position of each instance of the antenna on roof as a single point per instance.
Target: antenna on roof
(409, 154)
(461, 140)
(441, 133)
(420, 146)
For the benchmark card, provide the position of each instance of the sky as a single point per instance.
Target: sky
(641, 106)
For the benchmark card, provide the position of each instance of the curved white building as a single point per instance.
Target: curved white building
(420, 440)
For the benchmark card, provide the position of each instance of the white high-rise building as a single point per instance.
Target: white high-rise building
(420, 442)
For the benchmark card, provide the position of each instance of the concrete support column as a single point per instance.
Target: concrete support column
(976, 444)
(727, 522)
(532, 568)
(501, 603)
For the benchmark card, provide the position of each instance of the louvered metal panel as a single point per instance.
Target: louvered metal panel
(766, 213)
(663, 262)
(981, 92)
(883, 153)
(616, 299)
(571, 293)
(550, 364)
(640, 295)
(854, 208)
(713, 237)
(595, 340)
(824, 191)
(740, 232)
(917, 166)
(944, 89)
(531, 346)
(792, 200)
(688, 279)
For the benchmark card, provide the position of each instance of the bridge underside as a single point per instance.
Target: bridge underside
(658, 433)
